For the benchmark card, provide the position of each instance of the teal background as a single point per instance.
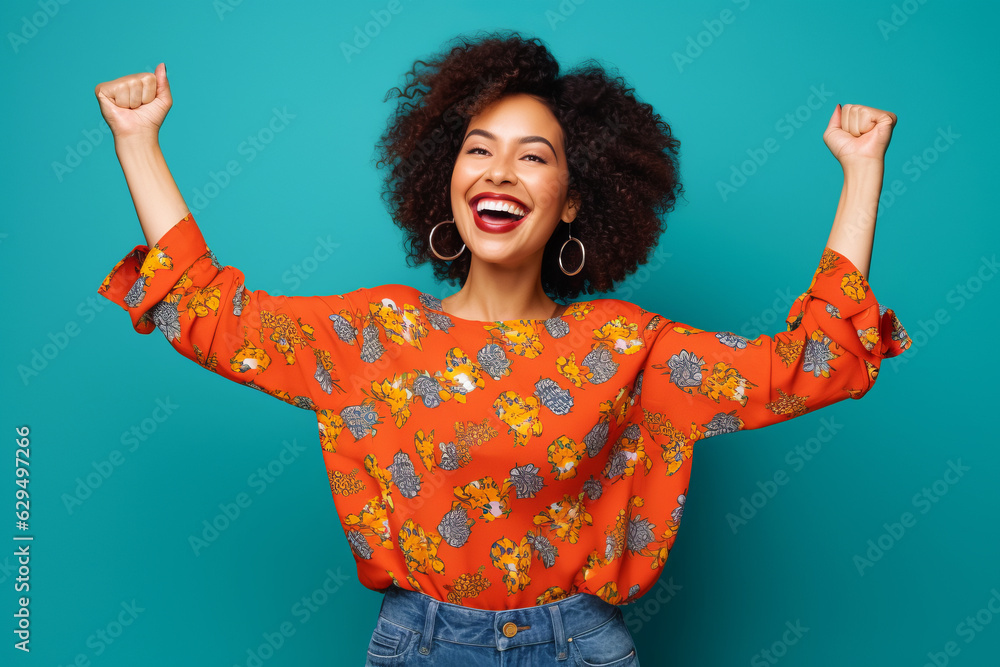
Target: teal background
(733, 591)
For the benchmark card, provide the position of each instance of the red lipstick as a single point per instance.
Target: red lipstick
(494, 227)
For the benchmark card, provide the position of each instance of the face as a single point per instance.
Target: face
(509, 187)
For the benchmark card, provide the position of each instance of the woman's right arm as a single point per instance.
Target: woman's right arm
(134, 107)
(296, 348)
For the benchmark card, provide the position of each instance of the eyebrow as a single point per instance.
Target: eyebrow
(523, 140)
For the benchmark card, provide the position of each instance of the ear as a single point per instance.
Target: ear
(571, 208)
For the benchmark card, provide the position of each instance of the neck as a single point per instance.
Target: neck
(496, 293)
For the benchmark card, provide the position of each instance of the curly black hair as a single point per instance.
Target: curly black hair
(623, 159)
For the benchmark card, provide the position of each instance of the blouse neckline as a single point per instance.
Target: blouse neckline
(571, 309)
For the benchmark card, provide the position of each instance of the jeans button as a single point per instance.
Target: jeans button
(509, 629)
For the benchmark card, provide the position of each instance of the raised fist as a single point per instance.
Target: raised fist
(857, 134)
(135, 105)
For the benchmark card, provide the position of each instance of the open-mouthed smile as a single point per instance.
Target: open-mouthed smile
(497, 213)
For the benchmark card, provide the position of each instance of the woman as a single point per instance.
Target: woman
(509, 469)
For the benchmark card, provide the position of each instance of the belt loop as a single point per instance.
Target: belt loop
(558, 632)
(428, 636)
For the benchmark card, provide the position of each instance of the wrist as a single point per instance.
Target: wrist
(863, 169)
(136, 143)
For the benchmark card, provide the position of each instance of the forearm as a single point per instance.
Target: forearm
(853, 229)
(158, 202)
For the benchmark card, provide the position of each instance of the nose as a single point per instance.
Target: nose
(500, 171)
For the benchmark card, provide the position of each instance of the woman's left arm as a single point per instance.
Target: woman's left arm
(858, 137)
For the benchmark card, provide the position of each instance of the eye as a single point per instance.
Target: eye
(537, 158)
(474, 151)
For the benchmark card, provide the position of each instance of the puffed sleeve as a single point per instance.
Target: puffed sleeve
(718, 382)
(294, 348)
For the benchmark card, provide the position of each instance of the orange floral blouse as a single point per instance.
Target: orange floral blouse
(506, 464)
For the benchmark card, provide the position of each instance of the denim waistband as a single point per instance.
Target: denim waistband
(556, 622)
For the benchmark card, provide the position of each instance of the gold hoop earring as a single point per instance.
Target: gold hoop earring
(583, 254)
(430, 242)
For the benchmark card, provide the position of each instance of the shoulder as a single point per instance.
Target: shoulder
(397, 297)
(609, 309)
(400, 295)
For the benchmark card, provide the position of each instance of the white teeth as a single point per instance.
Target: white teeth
(500, 205)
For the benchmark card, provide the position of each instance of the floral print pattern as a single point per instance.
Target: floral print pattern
(506, 464)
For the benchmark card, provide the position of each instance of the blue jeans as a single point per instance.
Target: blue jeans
(581, 630)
